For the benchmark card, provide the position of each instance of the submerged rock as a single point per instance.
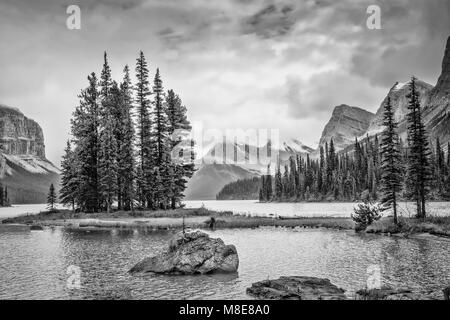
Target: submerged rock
(192, 253)
(388, 293)
(446, 292)
(296, 288)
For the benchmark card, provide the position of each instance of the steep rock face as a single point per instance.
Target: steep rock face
(435, 102)
(399, 102)
(442, 87)
(436, 113)
(20, 135)
(345, 124)
(24, 170)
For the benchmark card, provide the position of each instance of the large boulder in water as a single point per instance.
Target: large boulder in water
(192, 253)
(296, 288)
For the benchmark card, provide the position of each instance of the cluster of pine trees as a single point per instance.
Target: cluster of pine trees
(4, 201)
(123, 136)
(385, 170)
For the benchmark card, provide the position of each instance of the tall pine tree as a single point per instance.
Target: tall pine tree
(391, 178)
(419, 170)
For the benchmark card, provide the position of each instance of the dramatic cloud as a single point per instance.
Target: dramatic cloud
(236, 64)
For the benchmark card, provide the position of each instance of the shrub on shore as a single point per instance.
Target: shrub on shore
(365, 214)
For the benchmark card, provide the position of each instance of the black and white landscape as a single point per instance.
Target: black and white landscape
(225, 150)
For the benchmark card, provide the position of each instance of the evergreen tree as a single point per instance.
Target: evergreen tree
(2, 195)
(178, 127)
(419, 171)
(144, 143)
(278, 183)
(126, 161)
(85, 132)
(160, 134)
(51, 198)
(69, 178)
(391, 178)
(108, 168)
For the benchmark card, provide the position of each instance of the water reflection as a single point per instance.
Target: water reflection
(34, 264)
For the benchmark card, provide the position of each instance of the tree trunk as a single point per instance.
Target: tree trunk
(395, 208)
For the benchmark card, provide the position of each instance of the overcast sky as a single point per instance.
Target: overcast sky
(236, 64)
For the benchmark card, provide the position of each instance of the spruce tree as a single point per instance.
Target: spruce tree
(144, 144)
(391, 178)
(419, 171)
(85, 132)
(126, 161)
(278, 183)
(69, 178)
(108, 168)
(51, 198)
(160, 134)
(178, 128)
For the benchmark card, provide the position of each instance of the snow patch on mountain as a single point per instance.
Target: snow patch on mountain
(32, 164)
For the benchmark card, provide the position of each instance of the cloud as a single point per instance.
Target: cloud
(249, 64)
(271, 21)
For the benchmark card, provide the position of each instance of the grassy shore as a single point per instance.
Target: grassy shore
(174, 219)
(439, 226)
(202, 218)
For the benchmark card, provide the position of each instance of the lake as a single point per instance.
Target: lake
(307, 209)
(252, 207)
(34, 264)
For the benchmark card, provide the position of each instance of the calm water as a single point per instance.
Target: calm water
(307, 209)
(34, 264)
(22, 209)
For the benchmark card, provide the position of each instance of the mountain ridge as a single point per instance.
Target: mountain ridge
(24, 169)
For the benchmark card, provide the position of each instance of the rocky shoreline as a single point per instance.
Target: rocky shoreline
(312, 288)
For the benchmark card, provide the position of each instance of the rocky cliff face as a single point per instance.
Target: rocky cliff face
(20, 135)
(399, 101)
(345, 124)
(435, 102)
(23, 166)
(442, 88)
(436, 113)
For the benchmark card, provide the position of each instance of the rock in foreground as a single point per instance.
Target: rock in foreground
(296, 288)
(192, 253)
(388, 293)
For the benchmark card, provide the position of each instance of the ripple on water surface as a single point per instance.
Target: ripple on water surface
(34, 264)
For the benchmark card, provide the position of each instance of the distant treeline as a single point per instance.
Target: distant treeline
(385, 169)
(4, 200)
(242, 189)
(365, 171)
(350, 190)
(123, 137)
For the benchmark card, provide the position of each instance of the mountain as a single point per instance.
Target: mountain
(398, 94)
(435, 102)
(24, 170)
(345, 124)
(436, 114)
(228, 162)
(209, 179)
